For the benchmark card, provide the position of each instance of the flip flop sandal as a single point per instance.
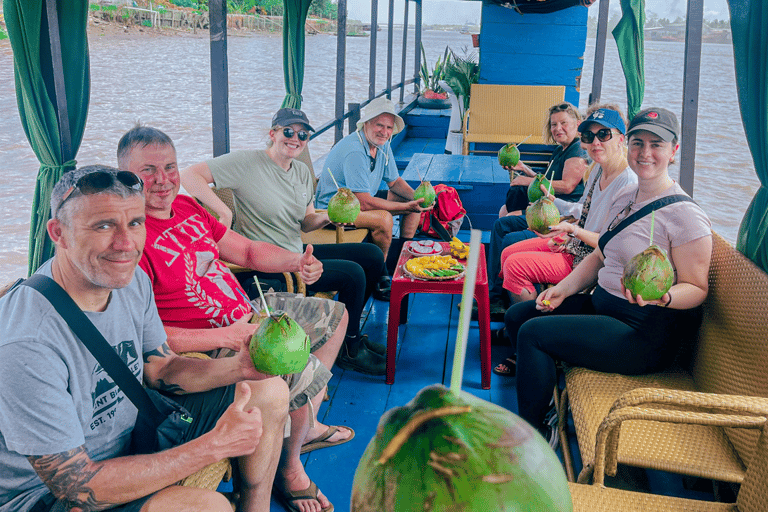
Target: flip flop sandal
(322, 440)
(507, 369)
(288, 498)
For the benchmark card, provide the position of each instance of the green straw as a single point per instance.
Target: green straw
(467, 293)
(653, 220)
(334, 179)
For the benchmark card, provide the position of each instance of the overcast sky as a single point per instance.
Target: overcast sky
(458, 12)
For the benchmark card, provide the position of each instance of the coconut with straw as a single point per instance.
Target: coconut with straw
(279, 346)
(509, 155)
(650, 273)
(449, 450)
(344, 207)
(425, 191)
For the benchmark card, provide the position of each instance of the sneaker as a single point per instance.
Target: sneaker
(378, 348)
(366, 361)
(550, 425)
(382, 289)
(498, 310)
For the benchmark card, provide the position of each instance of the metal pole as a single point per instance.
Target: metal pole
(219, 76)
(62, 112)
(341, 56)
(372, 51)
(354, 116)
(691, 73)
(405, 48)
(417, 48)
(602, 31)
(389, 47)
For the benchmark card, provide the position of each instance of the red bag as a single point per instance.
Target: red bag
(448, 212)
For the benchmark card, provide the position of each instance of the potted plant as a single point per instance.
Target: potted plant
(460, 72)
(432, 96)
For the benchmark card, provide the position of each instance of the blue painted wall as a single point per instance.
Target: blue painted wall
(533, 49)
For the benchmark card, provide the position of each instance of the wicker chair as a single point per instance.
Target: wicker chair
(729, 358)
(753, 495)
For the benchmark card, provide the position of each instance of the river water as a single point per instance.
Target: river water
(164, 81)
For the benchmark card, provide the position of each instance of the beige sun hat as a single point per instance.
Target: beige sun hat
(381, 105)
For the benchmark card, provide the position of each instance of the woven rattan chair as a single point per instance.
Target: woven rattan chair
(753, 494)
(730, 357)
(508, 113)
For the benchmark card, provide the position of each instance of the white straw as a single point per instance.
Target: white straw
(334, 179)
(467, 295)
(525, 139)
(263, 300)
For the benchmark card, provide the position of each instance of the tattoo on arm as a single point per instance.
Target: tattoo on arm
(68, 475)
(161, 385)
(161, 352)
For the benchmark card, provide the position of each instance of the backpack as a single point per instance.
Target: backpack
(448, 212)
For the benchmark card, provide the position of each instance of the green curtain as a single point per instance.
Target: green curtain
(294, 18)
(629, 42)
(27, 26)
(749, 26)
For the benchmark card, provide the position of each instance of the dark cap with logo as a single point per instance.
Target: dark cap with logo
(659, 121)
(289, 116)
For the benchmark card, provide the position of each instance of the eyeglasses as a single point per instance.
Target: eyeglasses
(95, 182)
(302, 134)
(603, 135)
(559, 108)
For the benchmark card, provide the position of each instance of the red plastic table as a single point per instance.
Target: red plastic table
(402, 285)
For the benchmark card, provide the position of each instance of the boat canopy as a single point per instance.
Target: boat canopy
(53, 85)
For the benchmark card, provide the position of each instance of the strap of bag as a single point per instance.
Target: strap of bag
(642, 212)
(94, 341)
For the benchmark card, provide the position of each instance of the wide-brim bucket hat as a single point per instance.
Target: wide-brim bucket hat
(378, 106)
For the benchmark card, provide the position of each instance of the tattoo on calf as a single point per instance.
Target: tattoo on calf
(67, 475)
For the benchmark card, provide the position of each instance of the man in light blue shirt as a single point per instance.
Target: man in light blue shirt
(360, 162)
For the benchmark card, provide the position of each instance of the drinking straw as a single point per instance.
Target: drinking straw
(334, 179)
(467, 293)
(261, 294)
(653, 221)
(525, 139)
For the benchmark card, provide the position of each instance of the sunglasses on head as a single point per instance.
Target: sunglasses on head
(559, 108)
(302, 134)
(603, 135)
(95, 182)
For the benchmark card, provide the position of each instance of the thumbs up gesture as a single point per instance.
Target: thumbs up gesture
(310, 268)
(239, 429)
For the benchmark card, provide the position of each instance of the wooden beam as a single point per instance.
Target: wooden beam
(341, 72)
(691, 75)
(219, 76)
(602, 33)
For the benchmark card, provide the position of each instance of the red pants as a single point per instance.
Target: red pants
(532, 261)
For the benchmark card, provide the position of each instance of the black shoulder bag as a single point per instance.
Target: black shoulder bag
(642, 212)
(161, 423)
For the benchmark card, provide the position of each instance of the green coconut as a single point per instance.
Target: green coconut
(279, 346)
(534, 189)
(449, 451)
(427, 191)
(343, 208)
(649, 274)
(509, 155)
(542, 214)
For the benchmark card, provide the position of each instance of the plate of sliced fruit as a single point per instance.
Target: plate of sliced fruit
(434, 268)
(425, 248)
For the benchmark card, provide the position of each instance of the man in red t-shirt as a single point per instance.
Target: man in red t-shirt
(204, 308)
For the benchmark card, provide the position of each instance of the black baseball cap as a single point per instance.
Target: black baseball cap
(659, 121)
(289, 116)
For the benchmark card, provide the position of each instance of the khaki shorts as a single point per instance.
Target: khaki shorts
(319, 318)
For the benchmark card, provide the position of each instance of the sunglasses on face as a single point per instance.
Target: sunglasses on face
(603, 135)
(95, 182)
(302, 134)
